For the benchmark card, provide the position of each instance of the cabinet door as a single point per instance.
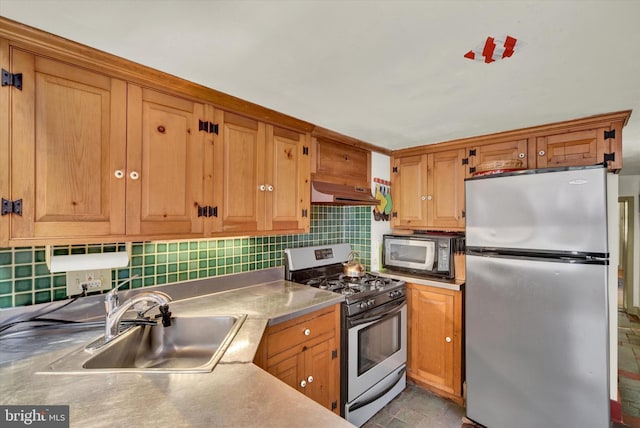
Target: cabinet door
(321, 372)
(289, 370)
(164, 164)
(243, 174)
(342, 164)
(508, 150)
(409, 191)
(445, 189)
(68, 137)
(435, 342)
(287, 180)
(572, 148)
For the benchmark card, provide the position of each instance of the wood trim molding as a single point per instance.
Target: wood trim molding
(327, 134)
(606, 119)
(59, 48)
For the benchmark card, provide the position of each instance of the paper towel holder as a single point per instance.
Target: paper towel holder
(76, 262)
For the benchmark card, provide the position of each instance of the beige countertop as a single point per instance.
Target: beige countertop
(235, 394)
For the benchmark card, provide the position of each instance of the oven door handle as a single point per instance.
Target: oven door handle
(358, 404)
(397, 308)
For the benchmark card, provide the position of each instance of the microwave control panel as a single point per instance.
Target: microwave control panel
(443, 256)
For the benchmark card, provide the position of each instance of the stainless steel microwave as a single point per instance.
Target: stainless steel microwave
(422, 254)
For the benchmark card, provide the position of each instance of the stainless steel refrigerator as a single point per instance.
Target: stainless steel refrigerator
(536, 311)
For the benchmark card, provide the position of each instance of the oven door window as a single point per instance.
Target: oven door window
(378, 342)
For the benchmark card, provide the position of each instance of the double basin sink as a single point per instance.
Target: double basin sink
(189, 344)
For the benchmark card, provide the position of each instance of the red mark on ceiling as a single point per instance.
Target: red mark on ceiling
(493, 49)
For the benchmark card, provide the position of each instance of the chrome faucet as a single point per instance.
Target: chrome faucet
(115, 312)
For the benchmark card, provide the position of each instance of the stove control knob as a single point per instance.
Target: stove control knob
(370, 302)
(363, 305)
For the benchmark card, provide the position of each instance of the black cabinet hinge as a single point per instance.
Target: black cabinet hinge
(334, 354)
(305, 150)
(394, 214)
(472, 170)
(211, 128)
(609, 157)
(11, 207)
(464, 214)
(609, 134)
(9, 79)
(305, 213)
(207, 211)
(394, 169)
(465, 161)
(472, 152)
(334, 405)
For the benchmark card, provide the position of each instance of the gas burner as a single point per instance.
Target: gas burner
(374, 281)
(348, 291)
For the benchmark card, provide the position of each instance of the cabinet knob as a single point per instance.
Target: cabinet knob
(134, 175)
(119, 173)
(541, 153)
(303, 383)
(262, 187)
(310, 379)
(307, 332)
(429, 197)
(270, 188)
(423, 198)
(448, 339)
(521, 155)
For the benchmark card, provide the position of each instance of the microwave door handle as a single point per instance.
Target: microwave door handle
(386, 314)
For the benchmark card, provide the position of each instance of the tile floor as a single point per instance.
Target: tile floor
(415, 407)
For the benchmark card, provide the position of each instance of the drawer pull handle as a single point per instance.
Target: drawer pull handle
(448, 339)
(310, 379)
(303, 383)
(307, 332)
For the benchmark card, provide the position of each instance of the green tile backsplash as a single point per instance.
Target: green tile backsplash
(25, 278)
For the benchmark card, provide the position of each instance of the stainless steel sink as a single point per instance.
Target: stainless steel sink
(190, 344)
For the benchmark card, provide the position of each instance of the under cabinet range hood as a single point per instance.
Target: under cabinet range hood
(340, 194)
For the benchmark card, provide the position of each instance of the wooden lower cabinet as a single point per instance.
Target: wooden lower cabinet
(304, 353)
(434, 360)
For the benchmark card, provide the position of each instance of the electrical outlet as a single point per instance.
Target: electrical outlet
(95, 280)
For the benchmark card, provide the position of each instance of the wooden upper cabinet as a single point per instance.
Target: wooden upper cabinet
(428, 191)
(68, 137)
(445, 189)
(265, 176)
(409, 191)
(341, 163)
(165, 164)
(508, 150)
(242, 173)
(572, 148)
(288, 166)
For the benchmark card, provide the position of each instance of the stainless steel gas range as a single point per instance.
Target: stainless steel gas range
(374, 327)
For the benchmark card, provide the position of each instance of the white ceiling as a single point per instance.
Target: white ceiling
(391, 73)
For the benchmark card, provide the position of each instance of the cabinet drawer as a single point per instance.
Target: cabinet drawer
(303, 333)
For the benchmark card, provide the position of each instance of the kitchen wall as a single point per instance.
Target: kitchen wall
(380, 168)
(630, 186)
(25, 278)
